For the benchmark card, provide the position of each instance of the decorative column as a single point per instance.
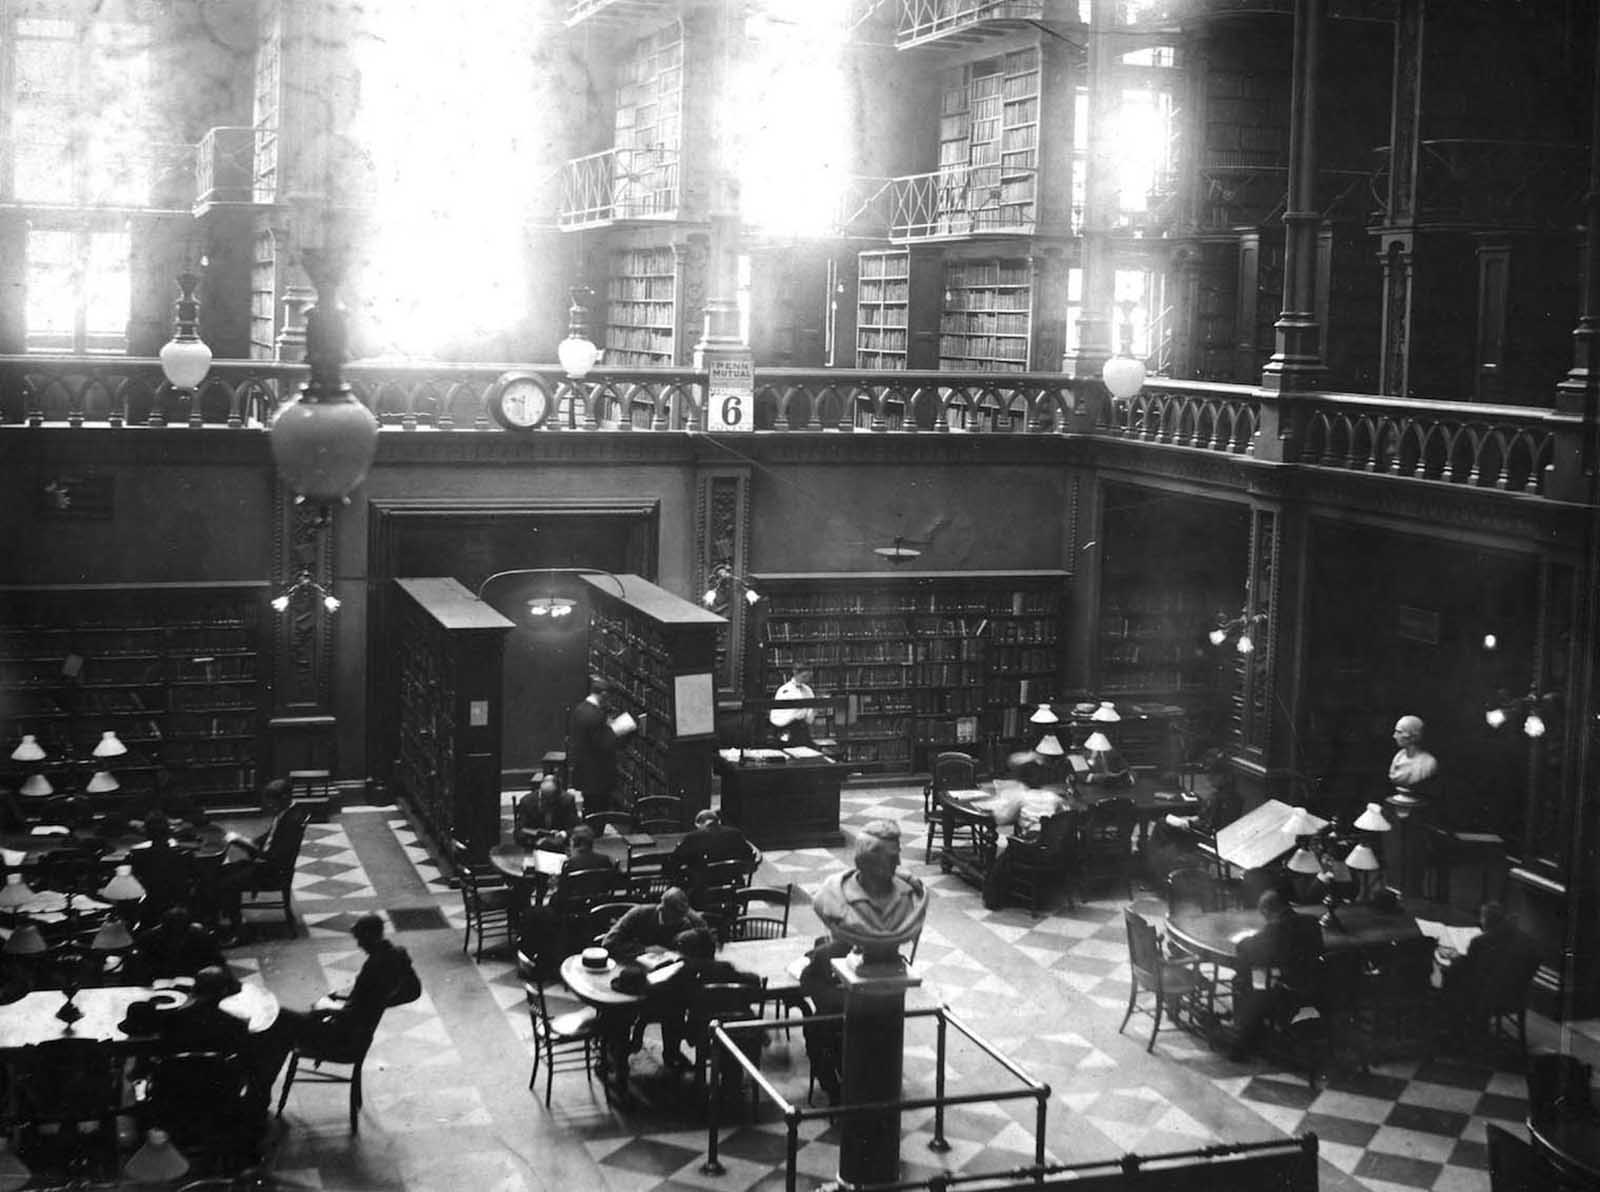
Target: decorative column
(1397, 244)
(1296, 365)
(1094, 345)
(720, 342)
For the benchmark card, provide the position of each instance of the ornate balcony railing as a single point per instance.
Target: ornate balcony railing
(612, 11)
(1479, 446)
(224, 167)
(1208, 416)
(1471, 181)
(962, 201)
(925, 20)
(1512, 449)
(619, 184)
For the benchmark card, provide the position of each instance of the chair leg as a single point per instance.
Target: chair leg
(549, 1076)
(355, 1100)
(1133, 996)
(1156, 1029)
(288, 1080)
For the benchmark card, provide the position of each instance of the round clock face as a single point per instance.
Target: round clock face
(519, 402)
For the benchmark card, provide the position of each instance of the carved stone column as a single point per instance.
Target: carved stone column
(722, 553)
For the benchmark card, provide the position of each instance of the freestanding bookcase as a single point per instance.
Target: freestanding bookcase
(448, 748)
(658, 651)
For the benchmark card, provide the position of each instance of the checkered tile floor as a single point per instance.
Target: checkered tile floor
(446, 1080)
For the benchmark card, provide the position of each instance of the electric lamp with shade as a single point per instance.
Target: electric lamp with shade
(577, 352)
(185, 358)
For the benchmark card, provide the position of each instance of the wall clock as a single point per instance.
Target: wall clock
(519, 401)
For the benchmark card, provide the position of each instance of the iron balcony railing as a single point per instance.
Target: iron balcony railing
(1474, 181)
(924, 20)
(619, 184)
(963, 201)
(225, 167)
(1512, 449)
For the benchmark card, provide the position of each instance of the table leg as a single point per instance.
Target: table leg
(615, 1027)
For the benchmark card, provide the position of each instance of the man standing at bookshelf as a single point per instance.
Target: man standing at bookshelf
(593, 739)
(792, 726)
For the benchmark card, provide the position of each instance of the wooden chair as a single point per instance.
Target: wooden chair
(952, 771)
(603, 917)
(1395, 1004)
(1038, 864)
(759, 926)
(485, 896)
(1175, 984)
(351, 1054)
(658, 813)
(1108, 842)
(65, 1097)
(202, 1098)
(720, 1001)
(561, 1043)
(272, 873)
(970, 840)
(599, 821)
(1195, 887)
(715, 886)
(1501, 1002)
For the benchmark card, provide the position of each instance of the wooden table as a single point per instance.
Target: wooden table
(777, 962)
(1572, 1144)
(1215, 935)
(32, 1020)
(792, 804)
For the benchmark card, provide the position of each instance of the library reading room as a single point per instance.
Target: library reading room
(879, 595)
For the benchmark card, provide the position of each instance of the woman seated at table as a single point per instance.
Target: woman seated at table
(545, 815)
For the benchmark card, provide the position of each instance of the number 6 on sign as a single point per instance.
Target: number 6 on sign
(731, 396)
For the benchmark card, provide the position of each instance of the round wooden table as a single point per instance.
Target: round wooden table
(1215, 935)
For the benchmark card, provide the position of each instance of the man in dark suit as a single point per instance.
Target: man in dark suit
(1288, 943)
(654, 926)
(341, 1021)
(582, 854)
(264, 854)
(592, 744)
(713, 840)
(174, 947)
(1493, 975)
(166, 873)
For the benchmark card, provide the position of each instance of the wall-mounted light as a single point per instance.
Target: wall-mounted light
(1531, 708)
(1243, 629)
(305, 585)
(552, 607)
(723, 583)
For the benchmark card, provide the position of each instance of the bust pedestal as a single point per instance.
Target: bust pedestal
(875, 986)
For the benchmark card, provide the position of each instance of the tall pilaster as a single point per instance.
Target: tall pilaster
(1094, 346)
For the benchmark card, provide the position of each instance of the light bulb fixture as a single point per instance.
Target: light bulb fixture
(1304, 862)
(1106, 713)
(577, 352)
(123, 886)
(109, 745)
(1371, 820)
(1049, 746)
(37, 786)
(157, 1161)
(1044, 714)
(1097, 742)
(1302, 823)
(25, 941)
(111, 936)
(15, 893)
(185, 358)
(1244, 629)
(1491, 642)
(551, 607)
(305, 585)
(103, 782)
(1363, 860)
(1531, 707)
(28, 750)
(324, 441)
(723, 581)
(897, 552)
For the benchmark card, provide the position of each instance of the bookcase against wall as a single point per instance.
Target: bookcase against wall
(641, 308)
(648, 125)
(658, 651)
(987, 315)
(988, 145)
(897, 301)
(447, 761)
(177, 671)
(937, 660)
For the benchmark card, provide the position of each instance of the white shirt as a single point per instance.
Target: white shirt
(781, 717)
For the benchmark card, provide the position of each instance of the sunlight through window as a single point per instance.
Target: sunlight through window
(458, 143)
(793, 127)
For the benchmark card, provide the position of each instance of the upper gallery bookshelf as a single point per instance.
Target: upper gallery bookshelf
(988, 145)
(177, 671)
(938, 660)
(988, 308)
(641, 327)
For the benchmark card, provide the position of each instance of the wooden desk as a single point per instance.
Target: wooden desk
(793, 804)
(32, 1019)
(1215, 935)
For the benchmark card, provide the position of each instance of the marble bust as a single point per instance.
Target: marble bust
(1412, 765)
(874, 906)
